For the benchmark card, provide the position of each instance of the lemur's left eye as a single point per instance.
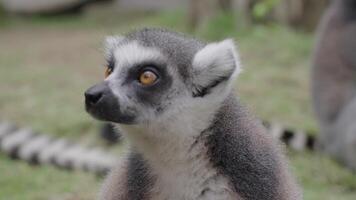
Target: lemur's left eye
(147, 77)
(108, 71)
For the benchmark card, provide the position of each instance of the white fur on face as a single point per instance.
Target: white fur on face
(134, 53)
(214, 61)
(110, 43)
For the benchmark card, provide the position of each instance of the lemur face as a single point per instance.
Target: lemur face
(152, 72)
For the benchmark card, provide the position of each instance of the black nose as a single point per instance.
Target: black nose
(93, 98)
(94, 94)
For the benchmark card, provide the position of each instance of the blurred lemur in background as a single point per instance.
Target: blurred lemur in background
(190, 137)
(334, 81)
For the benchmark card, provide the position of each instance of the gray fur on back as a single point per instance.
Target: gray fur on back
(240, 149)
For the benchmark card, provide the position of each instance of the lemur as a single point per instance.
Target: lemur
(190, 138)
(334, 81)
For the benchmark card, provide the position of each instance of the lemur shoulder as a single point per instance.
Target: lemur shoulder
(190, 138)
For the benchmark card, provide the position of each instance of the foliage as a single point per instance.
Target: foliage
(262, 8)
(220, 26)
(2, 15)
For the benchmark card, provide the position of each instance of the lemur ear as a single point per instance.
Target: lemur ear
(215, 64)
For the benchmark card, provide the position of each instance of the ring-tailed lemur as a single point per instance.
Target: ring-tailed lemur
(34, 148)
(190, 137)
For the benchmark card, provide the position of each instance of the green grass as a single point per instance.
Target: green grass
(47, 63)
(323, 178)
(19, 181)
(276, 63)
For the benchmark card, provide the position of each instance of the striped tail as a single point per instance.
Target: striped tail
(295, 139)
(34, 148)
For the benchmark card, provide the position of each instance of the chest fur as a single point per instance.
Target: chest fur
(178, 158)
(189, 175)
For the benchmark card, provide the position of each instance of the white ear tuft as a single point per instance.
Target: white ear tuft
(214, 64)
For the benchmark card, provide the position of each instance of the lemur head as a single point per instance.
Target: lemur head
(152, 73)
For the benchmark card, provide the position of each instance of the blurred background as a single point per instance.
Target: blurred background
(51, 52)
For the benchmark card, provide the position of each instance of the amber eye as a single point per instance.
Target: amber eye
(108, 71)
(147, 78)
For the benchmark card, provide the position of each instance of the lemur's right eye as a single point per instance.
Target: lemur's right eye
(108, 71)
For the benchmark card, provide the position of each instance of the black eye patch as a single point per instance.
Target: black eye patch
(159, 68)
(150, 94)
